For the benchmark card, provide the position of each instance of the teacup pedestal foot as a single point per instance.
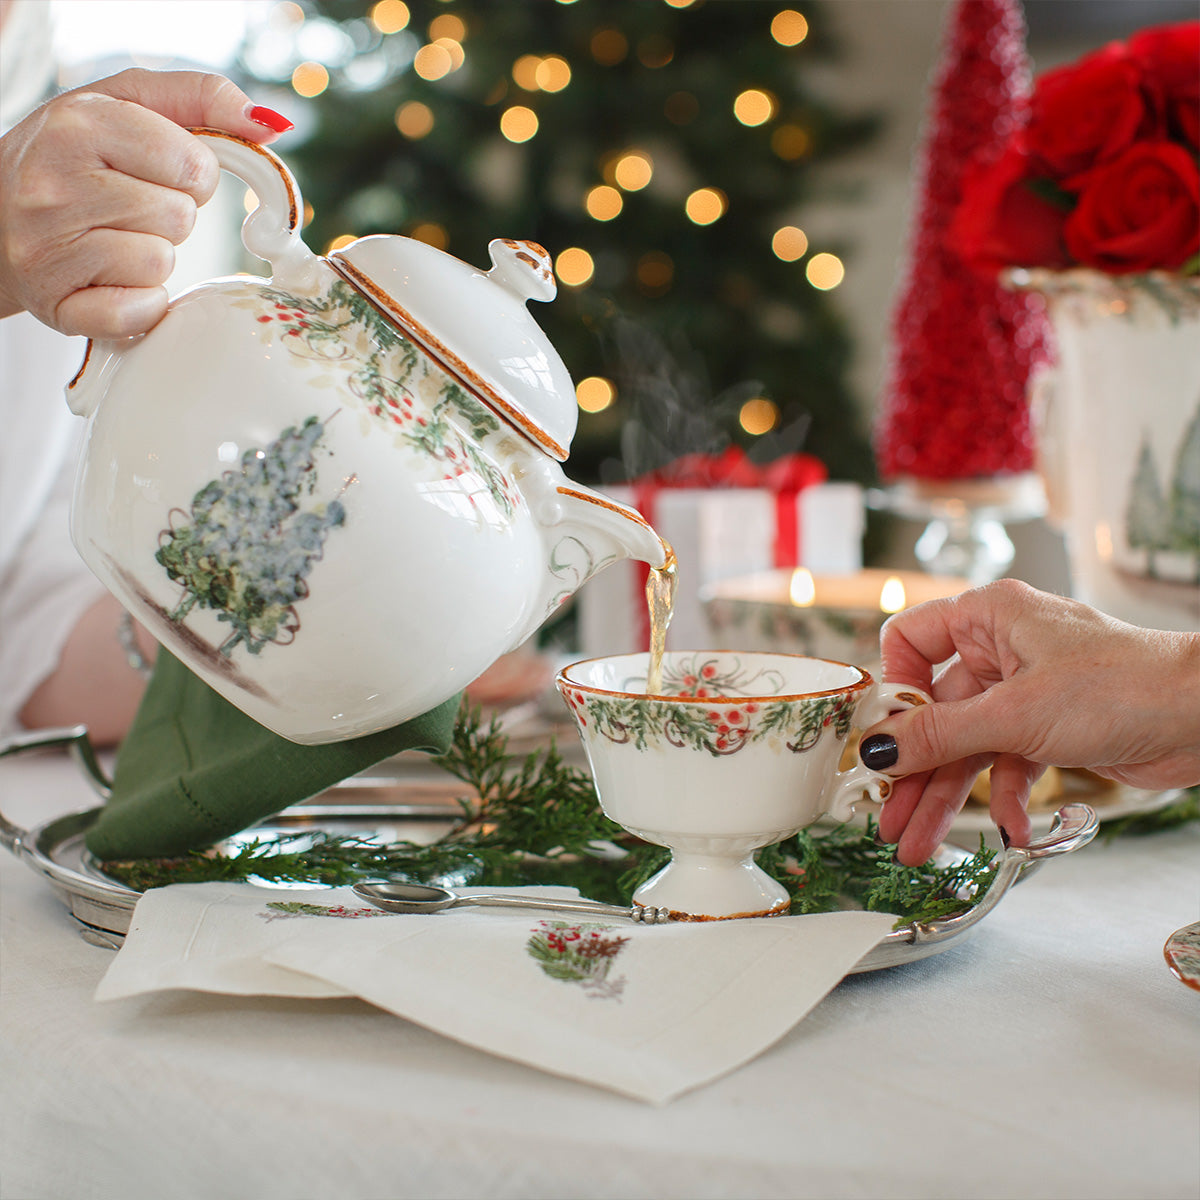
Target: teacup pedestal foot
(704, 887)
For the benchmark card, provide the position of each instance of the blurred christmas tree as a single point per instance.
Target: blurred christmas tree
(662, 151)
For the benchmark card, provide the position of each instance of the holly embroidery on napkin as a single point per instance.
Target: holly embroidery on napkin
(581, 954)
(281, 909)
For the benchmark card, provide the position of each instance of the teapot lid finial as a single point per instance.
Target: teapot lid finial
(523, 267)
(475, 324)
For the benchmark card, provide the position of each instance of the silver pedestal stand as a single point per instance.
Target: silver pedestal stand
(965, 534)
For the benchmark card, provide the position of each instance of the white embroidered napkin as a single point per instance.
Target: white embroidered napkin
(213, 937)
(649, 1011)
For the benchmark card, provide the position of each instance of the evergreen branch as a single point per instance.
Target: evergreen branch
(1179, 812)
(535, 820)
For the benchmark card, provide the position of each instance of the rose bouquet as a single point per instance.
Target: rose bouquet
(1104, 172)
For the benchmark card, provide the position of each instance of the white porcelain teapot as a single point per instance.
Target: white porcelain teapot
(335, 494)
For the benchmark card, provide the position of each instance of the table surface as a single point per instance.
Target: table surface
(1052, 1054)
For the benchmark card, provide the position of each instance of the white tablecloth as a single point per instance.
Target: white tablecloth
(1051, 1055)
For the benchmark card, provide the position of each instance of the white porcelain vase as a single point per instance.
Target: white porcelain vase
(1118, 421)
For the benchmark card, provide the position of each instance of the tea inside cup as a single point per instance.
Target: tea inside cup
(736, 752)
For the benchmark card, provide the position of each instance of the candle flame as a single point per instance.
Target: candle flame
(803, 591)
(892, 598)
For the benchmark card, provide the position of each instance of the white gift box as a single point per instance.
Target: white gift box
(716, 533)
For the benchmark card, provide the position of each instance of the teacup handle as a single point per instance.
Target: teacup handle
(272, 230)
(882, 701)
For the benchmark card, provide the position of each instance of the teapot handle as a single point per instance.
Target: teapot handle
(272, 230)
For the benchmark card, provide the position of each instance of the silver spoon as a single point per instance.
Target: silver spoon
(425, 898)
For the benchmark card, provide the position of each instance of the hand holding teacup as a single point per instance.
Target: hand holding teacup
(738, 751)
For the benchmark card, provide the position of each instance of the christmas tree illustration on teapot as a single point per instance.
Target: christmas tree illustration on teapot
(246, 546)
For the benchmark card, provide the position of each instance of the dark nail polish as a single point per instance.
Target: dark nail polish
(268, 117)
(1004, 836)
(879, 751)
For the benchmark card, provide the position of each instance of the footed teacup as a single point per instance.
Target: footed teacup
(738, 751)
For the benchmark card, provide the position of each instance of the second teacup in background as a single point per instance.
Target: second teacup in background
(738, 751)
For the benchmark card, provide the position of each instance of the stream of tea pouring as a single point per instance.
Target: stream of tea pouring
(660, 600)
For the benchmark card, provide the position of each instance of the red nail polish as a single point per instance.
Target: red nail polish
(268, 117)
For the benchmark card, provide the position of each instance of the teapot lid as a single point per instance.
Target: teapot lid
(475, 324)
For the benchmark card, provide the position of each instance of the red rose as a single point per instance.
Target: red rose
(1088, 113)
(1138, 213)
(1002, 221)
(1169, 58)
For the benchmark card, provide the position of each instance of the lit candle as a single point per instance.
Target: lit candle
(891, 596)
(832, 616)
(869, 590)
(803, 590)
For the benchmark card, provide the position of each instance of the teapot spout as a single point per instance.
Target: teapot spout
(614, 531)
(585, 532)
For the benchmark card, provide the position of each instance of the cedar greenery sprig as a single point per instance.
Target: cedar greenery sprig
(1178, 812)
(538, 804)
(535, 820)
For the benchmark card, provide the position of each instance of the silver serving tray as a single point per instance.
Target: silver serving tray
(104, 907)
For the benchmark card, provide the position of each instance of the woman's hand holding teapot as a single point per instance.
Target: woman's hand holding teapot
(99, 185)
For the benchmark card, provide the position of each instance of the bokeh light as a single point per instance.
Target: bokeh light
(655, 272)
(706, 205)
(595, 393)
(608, 46)
(789, 243)
(633, 170)
(524, 71)
(431, 233)
(390, 16)
(414, 119)
(448, 25)
(758, 416)
(791, 142)
(339, 242)
(603, 203)
(655, 51)
(518, 123)
(433, 62)
(454, 49)
(309, 79)
(789, 28)
(825, 271)
(574, 266)
(754, 107)
(552, 74)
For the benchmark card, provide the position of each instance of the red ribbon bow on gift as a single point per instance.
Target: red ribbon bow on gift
(732, 468)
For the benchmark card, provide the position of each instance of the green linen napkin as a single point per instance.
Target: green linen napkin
(194, 769)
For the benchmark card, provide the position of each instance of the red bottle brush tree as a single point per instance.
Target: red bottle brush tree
(955, 402)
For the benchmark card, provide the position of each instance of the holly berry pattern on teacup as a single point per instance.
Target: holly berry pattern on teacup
(698, 710)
